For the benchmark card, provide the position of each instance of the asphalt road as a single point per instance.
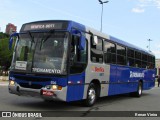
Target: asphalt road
(150, 101)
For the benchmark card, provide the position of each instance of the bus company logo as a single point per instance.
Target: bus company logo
(97, 69)
(136, 75)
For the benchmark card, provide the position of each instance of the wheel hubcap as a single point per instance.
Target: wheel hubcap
(92, 95)
(140, 90)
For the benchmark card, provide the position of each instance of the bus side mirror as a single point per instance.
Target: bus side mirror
(11, 39)
(94, 40)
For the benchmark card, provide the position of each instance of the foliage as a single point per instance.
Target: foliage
(5, 53)
(3, 35)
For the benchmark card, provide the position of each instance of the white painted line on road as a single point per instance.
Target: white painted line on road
(3, 84)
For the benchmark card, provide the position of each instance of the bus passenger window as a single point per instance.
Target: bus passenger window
(151, 62)
(144, 61)
(121, 55)
(130, 57)
(96, 50)
(109, 52)
(138, 62)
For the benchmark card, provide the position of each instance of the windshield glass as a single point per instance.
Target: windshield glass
(41, 53)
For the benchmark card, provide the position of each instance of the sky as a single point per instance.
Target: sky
(134, 21)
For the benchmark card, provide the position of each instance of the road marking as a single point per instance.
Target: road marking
(3, 84)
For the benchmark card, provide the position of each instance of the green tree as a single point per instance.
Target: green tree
(3, 35)
(5, 53)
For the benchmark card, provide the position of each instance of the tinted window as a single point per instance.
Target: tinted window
(151, 62)
(109, 52)
(96, 56)
(110, 57)
(121, 60)
(109, 47)
(121, 55)
(144, 57)
(130, 53)
(99, 44)
(144, 60)
(96, 50)
(130, 62)
(78, 57)
(137, 63)
(138, 55)
(130, 57)
(121, 50)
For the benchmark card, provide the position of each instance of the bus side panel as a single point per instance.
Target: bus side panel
(112, 81)
(126, 79)
(75, 88)
(100, 73)
(126, 84)
(149, 81)
(121, 81)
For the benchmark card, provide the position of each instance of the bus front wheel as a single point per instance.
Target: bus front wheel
(91, 95)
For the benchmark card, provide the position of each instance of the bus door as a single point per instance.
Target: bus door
(77, 65)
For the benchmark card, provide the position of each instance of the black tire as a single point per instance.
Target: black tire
(138, 93)
(91, 95)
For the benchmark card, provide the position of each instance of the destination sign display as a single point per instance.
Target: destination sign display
(43, 26)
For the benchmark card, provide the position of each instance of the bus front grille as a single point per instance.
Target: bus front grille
(33, 86)
(32, 79)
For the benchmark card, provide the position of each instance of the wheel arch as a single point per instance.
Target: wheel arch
(97, 83)
(141, 81)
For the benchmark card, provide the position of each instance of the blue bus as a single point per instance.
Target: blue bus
(67, 61)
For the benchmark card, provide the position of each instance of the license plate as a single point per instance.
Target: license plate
(47, 93)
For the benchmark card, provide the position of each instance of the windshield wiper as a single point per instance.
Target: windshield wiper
(30, 35)
(46, 38)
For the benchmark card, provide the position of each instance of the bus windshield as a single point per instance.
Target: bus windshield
(41, 53)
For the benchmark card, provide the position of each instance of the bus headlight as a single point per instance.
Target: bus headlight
(56, 87)
(11, 82)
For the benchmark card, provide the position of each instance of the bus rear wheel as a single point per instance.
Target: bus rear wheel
(138, 93)
(91, 95)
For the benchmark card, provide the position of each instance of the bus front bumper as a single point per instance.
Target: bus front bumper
(40, 93)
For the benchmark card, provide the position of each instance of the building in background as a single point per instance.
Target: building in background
(158, 66)
(10, 28)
